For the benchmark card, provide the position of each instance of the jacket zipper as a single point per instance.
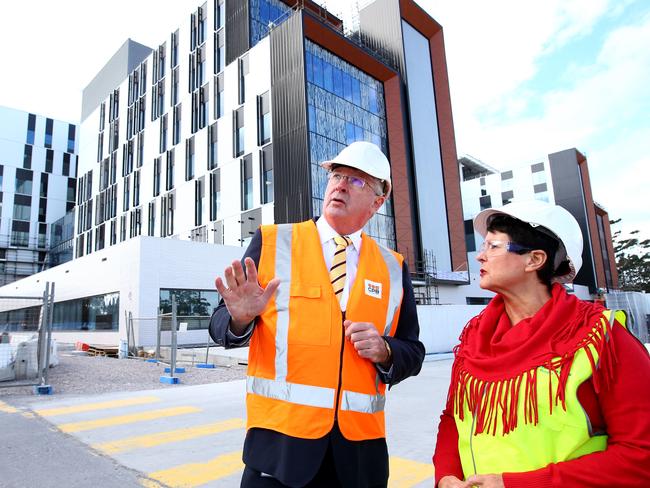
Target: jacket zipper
(338, 387)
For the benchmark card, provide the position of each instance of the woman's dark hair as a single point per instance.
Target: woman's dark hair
(531, 238)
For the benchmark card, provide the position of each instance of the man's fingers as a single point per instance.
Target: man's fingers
(251, 270)
(270, 289)
(221, 288)
(238, 271)
(229, 274)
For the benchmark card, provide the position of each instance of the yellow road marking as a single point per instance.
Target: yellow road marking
(147, 483)
(89, 407)
(196, 474)
(28, 415)
(126, 419)
(159, 438)
(405, 473)
(7, 408)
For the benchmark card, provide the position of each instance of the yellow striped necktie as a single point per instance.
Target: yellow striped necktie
(338, 271)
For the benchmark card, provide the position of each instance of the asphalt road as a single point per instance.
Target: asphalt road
(183, 436)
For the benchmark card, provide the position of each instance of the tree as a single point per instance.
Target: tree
(632, 261)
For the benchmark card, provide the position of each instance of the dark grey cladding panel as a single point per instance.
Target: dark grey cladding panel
(292, 188)
(380, 24)
(569, 194)
(237, 29)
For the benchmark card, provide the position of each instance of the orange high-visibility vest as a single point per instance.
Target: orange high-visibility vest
(302, 374)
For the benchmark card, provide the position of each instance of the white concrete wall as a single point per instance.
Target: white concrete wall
(137, 269)
(440, 326)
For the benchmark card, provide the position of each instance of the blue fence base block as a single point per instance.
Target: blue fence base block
(151, 360)
(205, 365)
(170, 380)
(43, 390)
(177, 370)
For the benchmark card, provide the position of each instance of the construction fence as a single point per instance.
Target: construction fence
(26, 346)
(637, 308)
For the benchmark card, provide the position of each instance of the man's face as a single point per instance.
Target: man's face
(346, 207)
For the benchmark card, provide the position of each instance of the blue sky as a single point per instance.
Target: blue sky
(526, 78)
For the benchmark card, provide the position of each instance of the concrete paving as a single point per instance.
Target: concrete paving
(192, 435)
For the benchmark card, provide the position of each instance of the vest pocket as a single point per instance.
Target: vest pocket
(309, 316)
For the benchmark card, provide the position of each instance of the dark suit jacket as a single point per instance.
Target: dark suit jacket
(295, 461)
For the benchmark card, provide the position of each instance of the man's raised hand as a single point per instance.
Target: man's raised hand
(245, 299)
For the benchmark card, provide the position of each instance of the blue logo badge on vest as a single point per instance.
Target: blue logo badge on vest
(373, 289)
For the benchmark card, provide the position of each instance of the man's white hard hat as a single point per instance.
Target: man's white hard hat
(366, 157)
(549, 219)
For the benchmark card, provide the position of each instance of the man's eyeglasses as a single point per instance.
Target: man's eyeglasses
(353, 181)
(496, 248)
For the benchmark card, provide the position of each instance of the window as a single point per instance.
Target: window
(219, 100)
(24, 181)
(219, 51)
(126, 188)
(127, 158)
(264, 119)
(174, 49)
(163, 134)
(27, 157)
(174, 97)
(2, 170)
(157, 166)
(49, 123)
(100, 312)
(238, 125)
(20, 233)
(65, 169)
(220, 14)
(99, 237)
(486, 202)
(242, 72)
(167, 215)
(247, 182)
(199, 189)
(31, 128)
(136, 189)
(49, 160)
(71, 136)
(176, 135)
(113, 232)
(140, 160)
(215, 194)
(507, 196)
(506, 175)
(189, 159)
(470, 241)
(72, 184)
(204, 100)
(196, 305)
(22, 207)
(266, 171)
(212, 147)
(135, 222)
(540, 188)
(123, 228)
(44, 182)
(42, 210)
(151, 224)
(537, 167)
(102, 116)
(169, 176)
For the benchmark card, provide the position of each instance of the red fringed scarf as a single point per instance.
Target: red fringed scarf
(495, 360)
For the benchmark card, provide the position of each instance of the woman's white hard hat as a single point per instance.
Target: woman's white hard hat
(364, 156)
(549, 219)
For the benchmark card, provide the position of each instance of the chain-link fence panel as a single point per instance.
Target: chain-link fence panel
(637, 307)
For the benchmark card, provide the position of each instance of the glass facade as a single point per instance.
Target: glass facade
(344, 105)
(193, 307)
(100, 312)
(264, 12)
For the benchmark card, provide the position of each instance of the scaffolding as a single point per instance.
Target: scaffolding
(424, 278)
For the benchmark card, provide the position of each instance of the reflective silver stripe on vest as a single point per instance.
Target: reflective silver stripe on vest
(283, 272)
(395, 296)
(311, 396)
(360, 402)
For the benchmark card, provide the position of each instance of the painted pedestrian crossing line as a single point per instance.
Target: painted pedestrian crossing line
(179, 441)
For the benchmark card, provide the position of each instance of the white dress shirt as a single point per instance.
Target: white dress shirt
(327, 235)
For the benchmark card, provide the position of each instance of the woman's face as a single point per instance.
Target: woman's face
(501, 270)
